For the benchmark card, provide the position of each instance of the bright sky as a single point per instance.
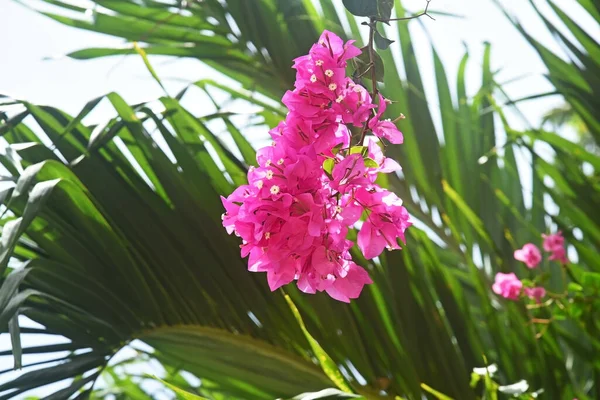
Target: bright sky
(27, 39)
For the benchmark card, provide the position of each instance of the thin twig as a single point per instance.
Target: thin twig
(424, 13)
(372, 24)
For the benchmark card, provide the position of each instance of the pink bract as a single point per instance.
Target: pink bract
(507, 286)
(553, 241)
(293, 217)
(535, 293)
(529, 254)
(559, 255)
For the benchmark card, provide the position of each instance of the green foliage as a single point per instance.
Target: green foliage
(382, 42)
(361, 8)
(121, 236)
(180, 392)
(363, 67)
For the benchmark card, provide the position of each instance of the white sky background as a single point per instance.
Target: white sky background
(27, 38)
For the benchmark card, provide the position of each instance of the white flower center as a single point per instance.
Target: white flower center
(269, 174)
(274, 189)
(258, 184)
(332, 86)
(329, 73)
(313, 78)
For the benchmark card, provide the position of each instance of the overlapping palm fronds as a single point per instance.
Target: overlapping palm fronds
(118, 224)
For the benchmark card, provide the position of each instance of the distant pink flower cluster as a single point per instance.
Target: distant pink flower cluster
(294, 214)
(510, 287)
(555, 244)
(529, 254)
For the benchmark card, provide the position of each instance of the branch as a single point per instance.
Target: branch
(372, 24)
(424, 13)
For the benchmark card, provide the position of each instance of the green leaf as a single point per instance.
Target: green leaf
(336, 149)
(364, 68)
(475, 378)
(15, 340)
(574, 287)
(473, 219)
(435, 393)
(144, 56)
(362, 8)
(576, 310)
(328, 165)
(591, 282)
(180, 392)
(382, 42)
(559, 313)
(254, 368)
(384, 8)
(370, 163)
(328, 365)
(363, 150)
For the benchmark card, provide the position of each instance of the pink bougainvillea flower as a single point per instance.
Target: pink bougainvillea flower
(535, 293)
(386, 223)
(293, 216)
(555, 244)
(529, 254)
(507, 286)
(560, 255)
(553, 241)
(385, 128)
(386, 165)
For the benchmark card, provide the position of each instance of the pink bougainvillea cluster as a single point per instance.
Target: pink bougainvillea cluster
(510, 286)
(312, 186)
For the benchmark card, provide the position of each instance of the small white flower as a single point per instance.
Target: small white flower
(489, 370)
(268, 163)
(357, 88)
(318, 63)
(321, 41)
(329, 73)
(313, 78)
(280, 161)
(332, 86)
(339, 99)
(258, 184)
(267, 235)
(273, 144)
(338, 209)
(269, 174)
(274, 189)
(516, 388)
